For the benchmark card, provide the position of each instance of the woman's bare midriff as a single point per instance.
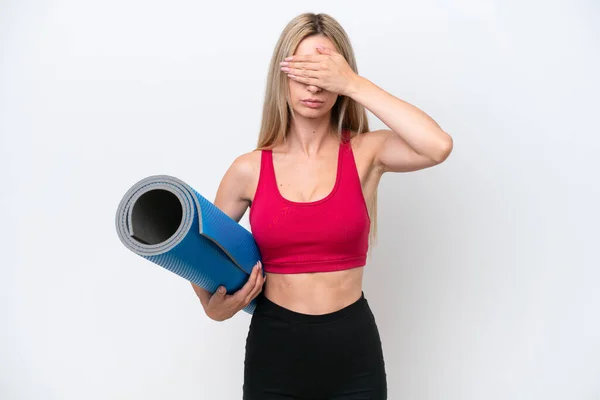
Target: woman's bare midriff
(315, 293)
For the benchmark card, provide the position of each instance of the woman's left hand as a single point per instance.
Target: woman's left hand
(328, 70)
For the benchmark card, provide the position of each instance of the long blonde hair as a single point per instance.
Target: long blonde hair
(346, 113)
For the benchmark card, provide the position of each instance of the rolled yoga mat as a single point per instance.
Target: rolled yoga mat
(164, 220)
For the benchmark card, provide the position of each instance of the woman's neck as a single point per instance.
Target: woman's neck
(309, 138)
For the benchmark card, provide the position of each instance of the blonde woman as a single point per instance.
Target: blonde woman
(311, 186)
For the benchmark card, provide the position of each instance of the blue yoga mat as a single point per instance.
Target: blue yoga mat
(164, 220)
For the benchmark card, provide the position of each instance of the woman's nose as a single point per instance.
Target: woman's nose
(314, 89)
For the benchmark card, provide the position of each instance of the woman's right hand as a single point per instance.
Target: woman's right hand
(222, 306)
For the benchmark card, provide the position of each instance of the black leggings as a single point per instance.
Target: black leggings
(290, 355)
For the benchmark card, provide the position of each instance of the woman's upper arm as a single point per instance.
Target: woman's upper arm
(392, 154)
(233, 198)
(233, 193)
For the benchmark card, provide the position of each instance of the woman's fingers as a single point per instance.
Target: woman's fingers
(313, 66)
(303, 72)
(257, 286)
(240, 296)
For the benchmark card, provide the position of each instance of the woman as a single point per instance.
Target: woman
(311, 187)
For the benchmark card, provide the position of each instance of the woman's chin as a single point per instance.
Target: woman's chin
(311, 112)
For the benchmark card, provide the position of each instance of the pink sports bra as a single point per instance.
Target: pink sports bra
(330, 234)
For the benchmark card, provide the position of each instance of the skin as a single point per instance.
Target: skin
(305, 167)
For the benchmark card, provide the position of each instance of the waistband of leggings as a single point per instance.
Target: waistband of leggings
(268, 307)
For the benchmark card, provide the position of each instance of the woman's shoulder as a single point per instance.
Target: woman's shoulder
(370, 139)
(247, 165)
(366, 144)
(240, 178)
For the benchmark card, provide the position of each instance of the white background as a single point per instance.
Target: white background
(485, 280)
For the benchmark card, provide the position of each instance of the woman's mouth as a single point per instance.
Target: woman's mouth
(312, 103)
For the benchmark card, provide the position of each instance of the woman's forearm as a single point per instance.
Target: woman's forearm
(417, 128)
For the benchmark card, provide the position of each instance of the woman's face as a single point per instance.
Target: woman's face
(301, 94)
